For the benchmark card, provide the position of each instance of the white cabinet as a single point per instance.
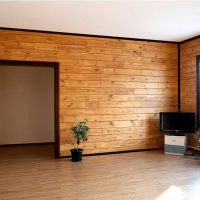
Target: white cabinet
(175, 144)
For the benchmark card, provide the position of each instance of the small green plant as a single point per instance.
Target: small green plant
(80, 132)
(197, 134)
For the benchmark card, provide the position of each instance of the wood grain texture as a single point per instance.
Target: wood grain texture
(118, 85)
(189, 51)
(31, 173)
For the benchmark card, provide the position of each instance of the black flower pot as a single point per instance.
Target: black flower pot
(76, 154)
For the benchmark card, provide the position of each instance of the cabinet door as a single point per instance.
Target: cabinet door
(175, 140)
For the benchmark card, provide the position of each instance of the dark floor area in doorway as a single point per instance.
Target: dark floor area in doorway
(38, 151)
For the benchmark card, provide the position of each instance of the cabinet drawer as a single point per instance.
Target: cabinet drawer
(175, 140)
(175, 149)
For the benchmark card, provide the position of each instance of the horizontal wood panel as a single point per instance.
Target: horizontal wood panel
(139, 50)
(110, 97)
(66, 132)
(107, 138)
(114, 64)
(118, 124)
(116, 77)
(118, 91)
(120, 71)
(110, 117)
(115, 84)
(120, 86)
(120, 143)
(119, 104)
(118, 146)
(125, 140)
(80, 111)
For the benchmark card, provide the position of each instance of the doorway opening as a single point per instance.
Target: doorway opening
(29, 103)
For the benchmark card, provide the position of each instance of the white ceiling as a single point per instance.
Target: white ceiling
(157, 20)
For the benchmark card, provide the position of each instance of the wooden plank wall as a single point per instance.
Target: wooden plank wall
(188, 53)
(120, 86)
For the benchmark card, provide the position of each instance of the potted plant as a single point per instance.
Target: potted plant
(80, 134)
(197, 135)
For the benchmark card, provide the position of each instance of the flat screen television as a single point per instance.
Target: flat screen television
(177, 122)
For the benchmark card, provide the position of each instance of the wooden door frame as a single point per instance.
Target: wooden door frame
(55, 66)
(198, 92)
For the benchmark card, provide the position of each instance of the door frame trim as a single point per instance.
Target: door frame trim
(197, 92)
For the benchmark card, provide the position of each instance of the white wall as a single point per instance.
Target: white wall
(26, 104)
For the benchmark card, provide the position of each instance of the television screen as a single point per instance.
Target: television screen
(177, 122)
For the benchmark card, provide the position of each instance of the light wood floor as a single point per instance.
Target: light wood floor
(33, 173)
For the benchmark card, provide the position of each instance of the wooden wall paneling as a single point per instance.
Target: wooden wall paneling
(189, 51)
(119, 85)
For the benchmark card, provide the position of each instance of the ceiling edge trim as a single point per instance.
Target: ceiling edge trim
(88, 35)
(190, 39)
